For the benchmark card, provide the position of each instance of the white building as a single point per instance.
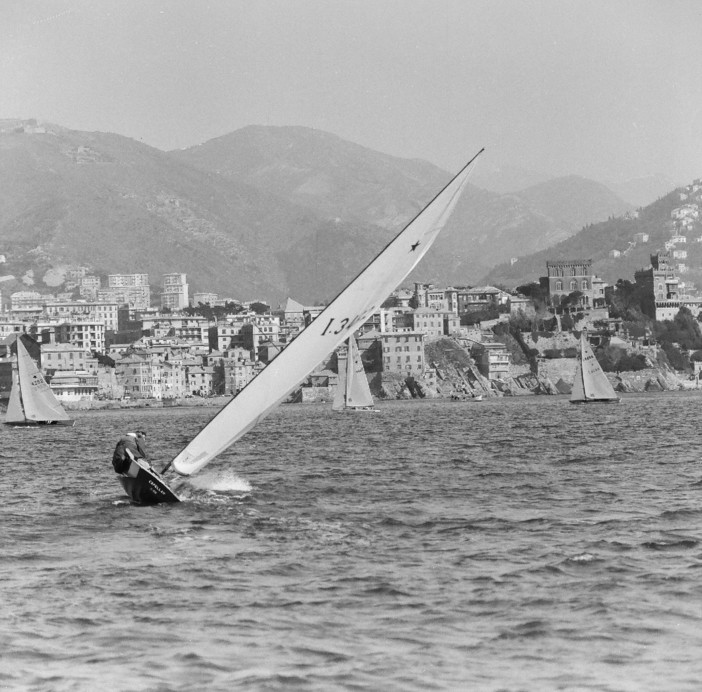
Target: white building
(107, 313)
(175, 292)
(127, 280)
(210, 299)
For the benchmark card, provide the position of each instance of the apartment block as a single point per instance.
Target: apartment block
(68, 357)
(403, 352)
(175, 292)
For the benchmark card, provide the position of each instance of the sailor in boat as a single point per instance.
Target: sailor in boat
(129, 448)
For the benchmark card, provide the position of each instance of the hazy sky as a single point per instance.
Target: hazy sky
(609, 89)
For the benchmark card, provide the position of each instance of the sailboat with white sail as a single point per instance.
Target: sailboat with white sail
(336, 323)
(590, 383)
(352, 390)
(31, 400)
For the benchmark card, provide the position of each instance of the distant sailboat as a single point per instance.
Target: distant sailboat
(336, 323)
(352, 391)
(31, 400)
(590, 384)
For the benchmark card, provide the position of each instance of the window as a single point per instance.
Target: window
(573, 285)
(559, 285)
(584, 285)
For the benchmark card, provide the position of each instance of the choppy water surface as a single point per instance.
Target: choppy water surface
(515, 544)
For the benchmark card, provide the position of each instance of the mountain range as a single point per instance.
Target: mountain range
(262, 213)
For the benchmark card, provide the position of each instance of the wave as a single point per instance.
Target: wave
(671, 545)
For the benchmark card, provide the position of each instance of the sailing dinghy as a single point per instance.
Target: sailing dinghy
(352, 390)
(144, 485)
(31, 400)
(336, 323)
(590, 384)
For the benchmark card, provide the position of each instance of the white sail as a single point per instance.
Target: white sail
(352, 390)
(342, 382)
(358, 394)
(340, 319)
(591, 384)
(39, 402)
(578, 393)
(15, 412)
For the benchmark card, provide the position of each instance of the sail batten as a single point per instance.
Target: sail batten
(336, 323)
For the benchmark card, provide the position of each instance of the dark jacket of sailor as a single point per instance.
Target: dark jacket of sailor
(134, 442)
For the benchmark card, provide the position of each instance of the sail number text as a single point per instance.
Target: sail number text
(337, 328)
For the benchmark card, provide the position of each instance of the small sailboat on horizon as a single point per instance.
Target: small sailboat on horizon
(591, 384)
(352, 390)
(335, 324)
(31, 400)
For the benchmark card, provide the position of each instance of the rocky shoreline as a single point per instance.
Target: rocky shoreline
(453, 375)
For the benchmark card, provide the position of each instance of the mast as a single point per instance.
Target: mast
(19, 379)
(582, 365)
(336, 323)
(350, 369)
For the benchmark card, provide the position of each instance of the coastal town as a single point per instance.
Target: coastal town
(113, 341)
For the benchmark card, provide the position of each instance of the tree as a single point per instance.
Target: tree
(535, 291)
(628, 301)
(572, 299)
(683, 330)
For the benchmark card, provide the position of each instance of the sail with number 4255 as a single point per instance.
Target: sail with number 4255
(31, 400)
(336, 323)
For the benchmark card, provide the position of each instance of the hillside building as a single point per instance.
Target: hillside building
(433, 322)
(661, 287)
(97, 311)
(89, 287)
(480, 298)
(492, 359)
(127, 280)
(567, 276)
(182, 327)
(403, 352)
(210, 299)
(430, 296)
(67, 357)
(74, 385)
(175, 292)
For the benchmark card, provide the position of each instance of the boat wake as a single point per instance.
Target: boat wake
(220, 481)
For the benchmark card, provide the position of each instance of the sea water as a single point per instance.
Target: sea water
(509, 544)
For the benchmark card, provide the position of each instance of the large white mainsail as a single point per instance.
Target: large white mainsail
(590, 383)
(352, 390)
(339, 320)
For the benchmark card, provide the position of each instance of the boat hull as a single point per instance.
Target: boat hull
(35, 423)
(145, 487)
(596, 401)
